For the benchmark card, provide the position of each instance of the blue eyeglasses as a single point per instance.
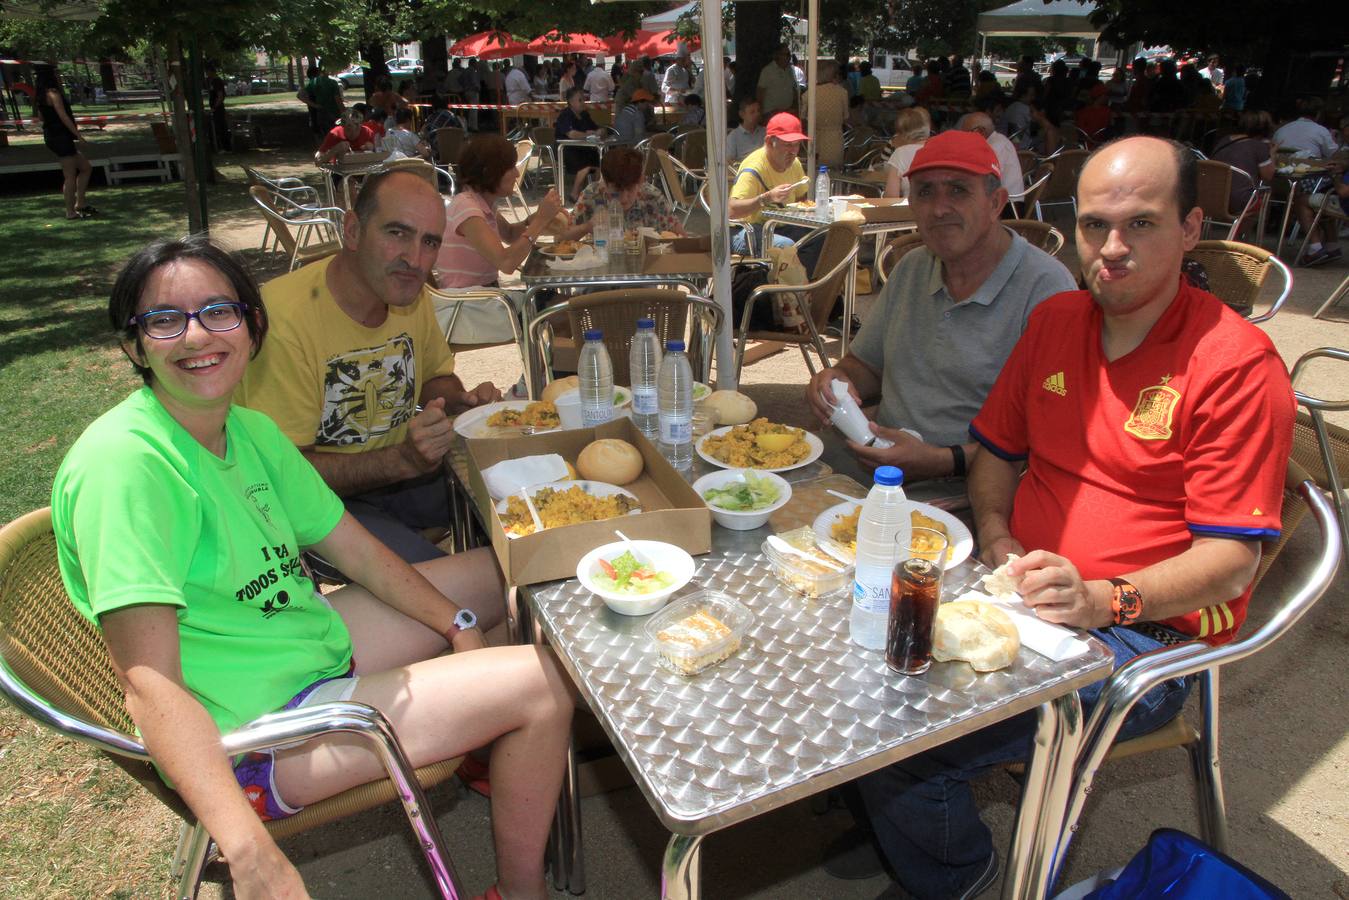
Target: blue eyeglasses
(162, 324)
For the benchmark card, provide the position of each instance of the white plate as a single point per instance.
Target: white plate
(962, 542)
(662, 556)
(701, 391)
(816, 450)
(473, 423)
(594, 488)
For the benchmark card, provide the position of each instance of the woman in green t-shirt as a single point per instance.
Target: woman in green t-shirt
(180, 520)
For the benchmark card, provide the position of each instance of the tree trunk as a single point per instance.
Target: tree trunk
(374, 55)
(176, 82)
(758, 30)
(435, 60)
(107, 74)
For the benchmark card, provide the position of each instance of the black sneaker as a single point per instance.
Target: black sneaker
(1333, 253)
(1315, 258)
(853, 856)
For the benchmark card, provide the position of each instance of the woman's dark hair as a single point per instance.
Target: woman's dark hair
(135, 275)
(621, 168)
(402, 116)
(486, 158)
(693, 100)
(45, 79)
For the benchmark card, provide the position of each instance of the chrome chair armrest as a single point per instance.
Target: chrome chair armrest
(1302, 361)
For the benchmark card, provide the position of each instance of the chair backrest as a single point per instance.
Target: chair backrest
(616, 313)
(894, 251)
(449, 144)
(1215, 189)
(858, 135)
(693, 148)
(1237, 272)
(57, 654)
(263, 198)
(1027, 159)
(840, 239)
(1038, 180)
(524, 149)
(543, 135)
(1063, 180)
(674, 179)
(660, 140)
(1038, 234)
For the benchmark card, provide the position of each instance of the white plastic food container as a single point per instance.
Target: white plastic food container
(668, 629)
(661, 556)
(745, 520)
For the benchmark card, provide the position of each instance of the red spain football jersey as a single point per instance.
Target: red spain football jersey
(1128, 461)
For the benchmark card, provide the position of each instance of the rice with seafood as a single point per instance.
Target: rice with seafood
(740, 446)
(569, 507)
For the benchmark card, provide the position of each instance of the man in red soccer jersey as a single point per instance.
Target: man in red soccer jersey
(1153, 425)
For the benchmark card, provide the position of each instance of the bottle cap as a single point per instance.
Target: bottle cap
(646, 323)
(823, 169)
(594, 334)
(675, 346)
(889, 475)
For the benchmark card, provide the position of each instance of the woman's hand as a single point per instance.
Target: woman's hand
(549, 207)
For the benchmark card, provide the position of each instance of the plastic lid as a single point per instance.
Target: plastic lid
(823, 169)
(675, 346)
(646, 323)
(889, 475)
(594, 334)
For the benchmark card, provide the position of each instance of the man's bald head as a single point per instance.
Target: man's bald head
(1161, 156)
(367, 201)
(976, 121)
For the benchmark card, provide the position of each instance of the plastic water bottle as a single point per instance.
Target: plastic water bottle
(885, 517)
(822, 193)
(644, 369)
(600, 231)
(676, 406)
(615, 226)
(597, 380)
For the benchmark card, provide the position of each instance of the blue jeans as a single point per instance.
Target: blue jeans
(922, 809)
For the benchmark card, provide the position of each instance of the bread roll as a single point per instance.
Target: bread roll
(1000, 582)
(555, 389)
(610, 460)
(730, 407)
(977, 632)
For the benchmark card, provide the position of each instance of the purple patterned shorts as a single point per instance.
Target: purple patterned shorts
(254, 771)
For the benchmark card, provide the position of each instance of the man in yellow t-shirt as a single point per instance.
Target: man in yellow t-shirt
(353, 348)
(771, 176)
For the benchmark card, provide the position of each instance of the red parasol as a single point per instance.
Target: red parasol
(651, 43)
(555, 44)
(488, 45)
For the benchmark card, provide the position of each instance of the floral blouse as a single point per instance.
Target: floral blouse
(650, 209)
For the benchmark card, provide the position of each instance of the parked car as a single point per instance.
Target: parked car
(353, 76)
(893, 71)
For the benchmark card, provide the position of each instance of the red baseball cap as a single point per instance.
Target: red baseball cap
(965, 151)
(785, 127)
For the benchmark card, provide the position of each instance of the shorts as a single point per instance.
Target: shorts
(60, 143)
(1316, 201)
(255, 771)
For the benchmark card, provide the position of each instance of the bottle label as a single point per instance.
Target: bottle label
(644, 401)
(592, 416)
(676, 429)
(871, 589)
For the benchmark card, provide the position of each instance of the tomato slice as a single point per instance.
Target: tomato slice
(608, 569)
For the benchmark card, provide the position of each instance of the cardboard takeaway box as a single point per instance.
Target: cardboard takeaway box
(882, 209)
(671, 510)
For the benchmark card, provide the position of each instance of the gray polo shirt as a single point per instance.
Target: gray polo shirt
(938, 359)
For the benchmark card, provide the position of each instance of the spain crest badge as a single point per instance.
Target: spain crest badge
(1151, 418)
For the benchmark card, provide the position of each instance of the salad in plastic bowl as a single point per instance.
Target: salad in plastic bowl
(635, 578)
(743, 499)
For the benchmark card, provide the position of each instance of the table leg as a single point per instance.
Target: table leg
(561, 171)
(680, 869)
(1287, 214)
(1044, 800)
(569, 805)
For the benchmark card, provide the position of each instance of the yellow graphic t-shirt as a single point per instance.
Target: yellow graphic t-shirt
(757, 175)
(329, 381)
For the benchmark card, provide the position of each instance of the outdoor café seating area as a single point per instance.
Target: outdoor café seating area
(688, 536)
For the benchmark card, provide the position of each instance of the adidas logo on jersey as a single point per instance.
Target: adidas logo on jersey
(1054, 384)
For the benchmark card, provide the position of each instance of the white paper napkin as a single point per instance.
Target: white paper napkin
(585, 258)
(1045, 638)
(509, 476)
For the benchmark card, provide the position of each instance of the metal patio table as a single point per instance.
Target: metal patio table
(798, 710)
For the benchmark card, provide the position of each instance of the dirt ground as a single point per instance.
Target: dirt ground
(1285, 750)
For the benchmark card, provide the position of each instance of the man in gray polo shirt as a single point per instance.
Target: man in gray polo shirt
(949, 317)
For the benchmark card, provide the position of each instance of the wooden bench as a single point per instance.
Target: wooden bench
(117, 98)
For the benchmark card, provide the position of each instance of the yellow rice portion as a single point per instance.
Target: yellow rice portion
(569, 507)
(737, 447)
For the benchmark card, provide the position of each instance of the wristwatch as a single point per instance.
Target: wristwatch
(463, 619)
(1126, 602)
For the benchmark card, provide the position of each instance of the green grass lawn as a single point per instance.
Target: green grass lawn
(73, 824)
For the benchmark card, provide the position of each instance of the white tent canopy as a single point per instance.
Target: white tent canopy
(1035, 18)
(666, 20)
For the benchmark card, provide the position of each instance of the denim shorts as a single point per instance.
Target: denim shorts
(255, 771)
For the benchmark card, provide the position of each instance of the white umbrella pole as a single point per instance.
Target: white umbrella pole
(812, 72)
(714, 87)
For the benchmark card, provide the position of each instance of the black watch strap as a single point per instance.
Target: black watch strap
(957, 460)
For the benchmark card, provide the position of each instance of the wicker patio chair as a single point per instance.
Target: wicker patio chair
(1318, 446)
(894, 251)
(1061, 189)
(834, 273)
(55, 669)
(1237, 272)
(1198, 659)
(316, 235)
(1038, 234)
(1037, 181)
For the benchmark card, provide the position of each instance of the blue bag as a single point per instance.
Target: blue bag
(1175, 865)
